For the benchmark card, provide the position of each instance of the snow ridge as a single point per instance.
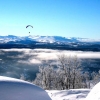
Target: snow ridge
(15, 89)
(47, 39)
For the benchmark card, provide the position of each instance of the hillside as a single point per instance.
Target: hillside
(49, 42)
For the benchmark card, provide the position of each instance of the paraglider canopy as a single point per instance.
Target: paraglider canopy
(29, 26)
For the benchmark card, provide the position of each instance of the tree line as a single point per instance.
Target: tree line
(68, 75)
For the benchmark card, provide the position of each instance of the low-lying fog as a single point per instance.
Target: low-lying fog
(14, 62)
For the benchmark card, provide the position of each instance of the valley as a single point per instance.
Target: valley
(18, 62)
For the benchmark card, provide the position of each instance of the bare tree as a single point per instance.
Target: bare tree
(70, 66)
(68, 74)
(95, 78)
(22, 77)
(45, 77)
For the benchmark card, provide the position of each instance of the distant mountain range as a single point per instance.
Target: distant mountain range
(44, 39)
(49, 42)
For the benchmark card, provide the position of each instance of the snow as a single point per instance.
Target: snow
(76, 94)
(94, 93)
(72, 94)
(15, 89)
(50, 39)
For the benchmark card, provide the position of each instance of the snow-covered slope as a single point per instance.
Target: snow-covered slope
(72, 94)
(48, 39)
(94, 93)
(15, 89)
(76, 94)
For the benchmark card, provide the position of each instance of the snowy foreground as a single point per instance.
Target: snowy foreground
(72, 94)
(76, 94)
(94, 93)
(15, 89)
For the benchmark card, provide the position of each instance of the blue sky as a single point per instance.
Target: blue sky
(69, 18)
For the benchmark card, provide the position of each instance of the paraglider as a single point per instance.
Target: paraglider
(29, 26)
